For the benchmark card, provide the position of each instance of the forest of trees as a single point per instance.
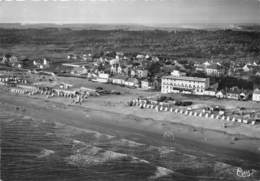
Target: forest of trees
(222, 44)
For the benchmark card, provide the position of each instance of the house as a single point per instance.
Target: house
(119, 69)
(132, 73)
(114, 61)
(118, 80)
(141, 73)
(41, 64)
(214, 70)
(140, 56)
(79, 70)
(247, 68)
(113, 69)
(210, 92)
(177, 73)
(116, 69)
(256, 95)
(199, 68)
(233, 95)
(193, 84)
(220, 95)
(132, 82)
(206, 64)
(145, 84)
(102, 77)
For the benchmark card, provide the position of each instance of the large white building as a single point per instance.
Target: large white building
(256, 95)
(184, 84)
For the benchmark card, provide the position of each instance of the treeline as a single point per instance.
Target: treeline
(193, 43)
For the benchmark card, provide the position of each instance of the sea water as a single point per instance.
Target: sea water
(34, 150)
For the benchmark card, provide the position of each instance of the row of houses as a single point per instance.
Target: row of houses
(124, 81)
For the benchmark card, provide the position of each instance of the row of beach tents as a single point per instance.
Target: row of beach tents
(160, 108)
(32, 90)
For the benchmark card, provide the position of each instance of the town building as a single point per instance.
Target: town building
(194, 85)
(256, 95)
(102, 77)
(118, 80)
(178, 73)
(141, 73)
(132, 82)
(145, 84)
(79, 70)
(214, 70)
(210, 92)
(220, 95)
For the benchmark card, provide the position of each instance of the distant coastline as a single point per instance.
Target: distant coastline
(132, 27)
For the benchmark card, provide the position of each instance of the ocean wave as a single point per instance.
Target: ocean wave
(45, 153)
(163, 150)
(127, 142)
(92, 155)
(160, 172)
(75, 130)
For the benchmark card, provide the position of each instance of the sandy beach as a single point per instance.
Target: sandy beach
(109, 116)
(113, 111)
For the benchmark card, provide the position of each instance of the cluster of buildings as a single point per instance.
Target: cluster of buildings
(119, 70)
(211, 69)
(178, 82)
(14, 62)
(133, 71)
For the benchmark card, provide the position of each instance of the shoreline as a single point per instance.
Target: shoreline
(158, 125)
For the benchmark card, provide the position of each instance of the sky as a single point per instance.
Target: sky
(146, 12)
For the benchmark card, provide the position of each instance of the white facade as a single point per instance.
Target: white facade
(209, 93)
(118, 81)
(192, 84)
(142, 73)
(103, 75)
(177, 73)
(214, 71)
(256, 96)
